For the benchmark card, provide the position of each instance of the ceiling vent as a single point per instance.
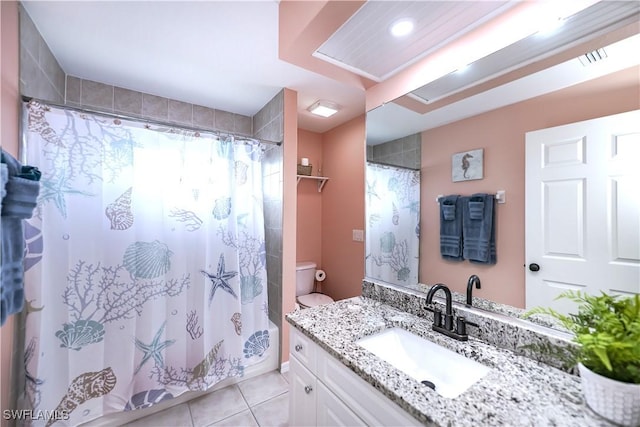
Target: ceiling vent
(593, 57)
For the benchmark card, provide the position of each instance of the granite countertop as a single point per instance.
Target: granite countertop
(517, 391)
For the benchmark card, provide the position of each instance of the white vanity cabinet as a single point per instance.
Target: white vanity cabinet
(324, 392)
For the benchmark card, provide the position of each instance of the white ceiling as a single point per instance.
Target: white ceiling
(224, 54)
(363, 44)
(392, 121)
(598, 19)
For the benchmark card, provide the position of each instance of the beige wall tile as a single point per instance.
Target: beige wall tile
(180, 112)
(223, 121)
(203, 117)
(127, 101)
(242, 124)
(96, 94)
(155, 107)
(29, 35)
(73, 90)
(49, 64)
(29, 73)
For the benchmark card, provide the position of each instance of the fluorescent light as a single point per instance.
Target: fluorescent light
(323, 108)
(401, 27)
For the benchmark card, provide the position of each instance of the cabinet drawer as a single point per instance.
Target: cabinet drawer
(303, 349)
(361, 397)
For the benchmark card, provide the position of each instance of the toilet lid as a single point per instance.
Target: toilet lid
(314, 299)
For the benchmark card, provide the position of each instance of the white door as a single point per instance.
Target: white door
(582, 212)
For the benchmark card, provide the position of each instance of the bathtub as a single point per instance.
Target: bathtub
(271, 362)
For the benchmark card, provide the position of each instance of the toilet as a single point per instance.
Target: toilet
(305, 280)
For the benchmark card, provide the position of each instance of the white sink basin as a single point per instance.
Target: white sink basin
(450, 372)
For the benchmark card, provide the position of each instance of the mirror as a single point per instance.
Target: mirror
(495, 120)
(393, 210)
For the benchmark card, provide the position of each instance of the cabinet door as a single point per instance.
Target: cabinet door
(331, 410)
(302, 395)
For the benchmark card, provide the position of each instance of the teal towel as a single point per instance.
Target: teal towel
(22, 190)
(478, 229)
(451, 227)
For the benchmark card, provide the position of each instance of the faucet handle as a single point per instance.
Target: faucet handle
(437, 318)
(437, 315)
(461, 325)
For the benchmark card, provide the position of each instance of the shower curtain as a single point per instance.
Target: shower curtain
(145, 263)
(393, 227)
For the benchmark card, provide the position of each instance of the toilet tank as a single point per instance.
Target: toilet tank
(305, 277)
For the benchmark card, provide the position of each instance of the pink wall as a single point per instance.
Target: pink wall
(9, 134)
(343, 208)
(501, 133)
(289, 213)
(309, 212)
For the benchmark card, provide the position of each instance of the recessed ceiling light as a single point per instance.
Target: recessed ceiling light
(324, 108)
(401, 27)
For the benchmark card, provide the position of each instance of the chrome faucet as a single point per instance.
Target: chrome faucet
(460, 331)
(473, 280)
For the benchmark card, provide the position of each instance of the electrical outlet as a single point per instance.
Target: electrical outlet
(358, 235)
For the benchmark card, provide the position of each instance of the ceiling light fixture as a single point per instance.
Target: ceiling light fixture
(401, 27)
(324, 108)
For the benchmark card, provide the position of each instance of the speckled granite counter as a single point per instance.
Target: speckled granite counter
(517, 392)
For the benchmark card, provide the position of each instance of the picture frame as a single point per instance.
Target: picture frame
(467, 165)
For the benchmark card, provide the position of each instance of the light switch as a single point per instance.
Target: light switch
(358, 235)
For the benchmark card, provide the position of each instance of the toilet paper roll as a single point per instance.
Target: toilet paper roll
(320, 275)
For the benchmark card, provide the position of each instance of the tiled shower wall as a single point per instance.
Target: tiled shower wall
(403, 152)
(40, 74)
(268, 124)
(113, 99)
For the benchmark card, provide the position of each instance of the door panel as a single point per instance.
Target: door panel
(582, 211)
(563, 222)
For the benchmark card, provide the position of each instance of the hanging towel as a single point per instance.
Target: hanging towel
(19, 201)
(4, 177)
(451, 227)
(478, 229)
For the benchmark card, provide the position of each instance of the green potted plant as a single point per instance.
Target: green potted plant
(607, 331)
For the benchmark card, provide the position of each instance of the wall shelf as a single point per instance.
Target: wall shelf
(322, 180)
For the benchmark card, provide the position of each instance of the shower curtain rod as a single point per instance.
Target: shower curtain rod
(148, 121)
(393, 166)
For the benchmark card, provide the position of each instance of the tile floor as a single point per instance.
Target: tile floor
(257, 402)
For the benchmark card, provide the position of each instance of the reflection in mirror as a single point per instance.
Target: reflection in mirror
(393, 210)
(497, 119)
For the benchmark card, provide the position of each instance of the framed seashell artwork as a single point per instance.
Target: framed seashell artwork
(467, 166)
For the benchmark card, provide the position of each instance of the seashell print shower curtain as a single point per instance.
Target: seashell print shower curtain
(393, 224)
(145, 264)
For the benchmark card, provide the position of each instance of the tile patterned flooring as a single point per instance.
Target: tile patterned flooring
(256, 402)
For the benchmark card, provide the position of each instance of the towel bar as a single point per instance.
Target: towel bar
(501, 197)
